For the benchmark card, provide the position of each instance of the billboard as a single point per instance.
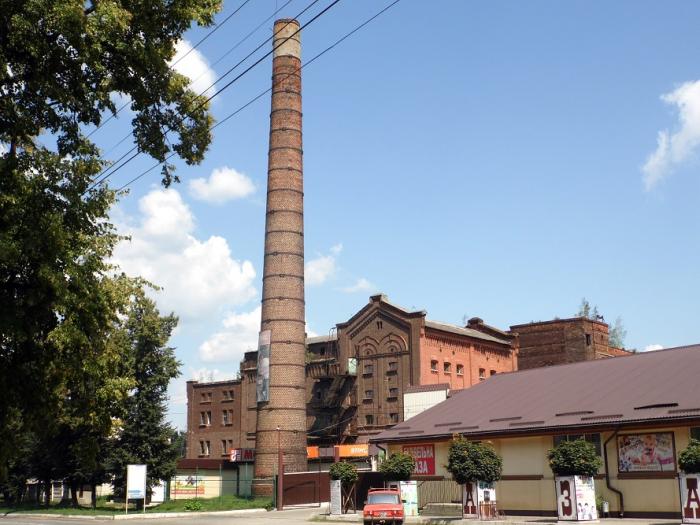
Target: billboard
(424, 456)
(262, 387)
(646, 452)
(136, 481)
(188, 485)
(352, 451)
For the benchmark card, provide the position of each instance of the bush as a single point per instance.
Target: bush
(689, 459)
(398, 467)
(345, 472)
(193, 505)
(574, 458)
(469, 461)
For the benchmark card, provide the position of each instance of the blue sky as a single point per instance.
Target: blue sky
(493, 159)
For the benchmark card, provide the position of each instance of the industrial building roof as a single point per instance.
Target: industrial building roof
(647, 387)
(445, 327)
(426, 388)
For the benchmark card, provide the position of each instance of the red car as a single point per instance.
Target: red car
(383, 506)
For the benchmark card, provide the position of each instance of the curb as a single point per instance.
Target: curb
(133, 516)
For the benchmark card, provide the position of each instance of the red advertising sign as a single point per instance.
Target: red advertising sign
(425, 458)
(242, 455)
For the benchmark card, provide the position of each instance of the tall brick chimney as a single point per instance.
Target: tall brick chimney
(281, 421)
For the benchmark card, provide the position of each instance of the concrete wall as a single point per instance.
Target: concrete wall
(528, 483)
(416, 402)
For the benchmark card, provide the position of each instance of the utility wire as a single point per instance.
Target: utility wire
(263, 93)
(105, 174)
(213, 30)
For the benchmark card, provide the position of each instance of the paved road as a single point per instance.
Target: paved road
(290, 517)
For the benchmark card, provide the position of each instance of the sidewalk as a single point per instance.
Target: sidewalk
(510, 520)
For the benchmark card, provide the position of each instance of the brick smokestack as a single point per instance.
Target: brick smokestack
(283, 313)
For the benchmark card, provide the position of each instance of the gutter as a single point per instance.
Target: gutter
(620, 496)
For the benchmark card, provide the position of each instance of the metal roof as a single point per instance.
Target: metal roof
(426, 388)
(642, 388)
(445, 327)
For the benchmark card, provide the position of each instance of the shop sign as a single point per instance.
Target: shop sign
(242, 455)
(424, 455)
(352, 451)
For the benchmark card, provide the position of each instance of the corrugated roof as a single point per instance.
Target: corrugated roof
(645, 387)
(321, 339)
(427, 388)
(446, 327)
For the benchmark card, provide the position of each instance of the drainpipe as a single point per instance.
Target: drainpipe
(385, 455)
(620, 496)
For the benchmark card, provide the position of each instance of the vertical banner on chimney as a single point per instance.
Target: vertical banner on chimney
(262, 390)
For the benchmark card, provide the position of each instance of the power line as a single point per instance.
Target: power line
(171, 66)
(105, 174)
(263, 93)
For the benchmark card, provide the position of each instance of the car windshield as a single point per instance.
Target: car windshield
(374, 499)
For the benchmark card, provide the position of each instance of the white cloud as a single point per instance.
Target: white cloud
(198, 277)
(193, 65)
(675, 148)
(317, 271)
(651, 348)
(361, 285)
(240, 335)
(224, 184)
(212, 374)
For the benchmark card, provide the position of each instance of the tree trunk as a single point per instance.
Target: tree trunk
(93, 497)
(74, 494)
(47, 492)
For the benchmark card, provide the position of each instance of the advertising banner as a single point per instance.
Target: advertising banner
(470, 500)
(188, 485)
(690, 498)
(409, 496)
(136, 481)
(424, 456)
(585, 498)
(566, 498)
(262, 387)
(486, 491)
(241, 455)
(646, 452)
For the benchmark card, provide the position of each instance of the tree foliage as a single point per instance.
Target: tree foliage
(470, 461)
(345, 472)
(617, 333)
(689, 459)
(574, 458)
(143, 437)
(398, 467)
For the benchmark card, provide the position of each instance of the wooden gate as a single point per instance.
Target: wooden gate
(305, 488)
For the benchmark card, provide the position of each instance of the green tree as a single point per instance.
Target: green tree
(61, 63)
(617, 333)
(398, 467)
(574, 458)
(470, 461)
(689, 459)
(144, 437)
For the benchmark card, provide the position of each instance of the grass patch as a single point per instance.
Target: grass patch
(105, 507)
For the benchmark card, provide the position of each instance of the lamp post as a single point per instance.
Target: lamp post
(280, 472)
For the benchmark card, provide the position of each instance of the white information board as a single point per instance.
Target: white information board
(576, 498)
(409, 496)
(336, 497)
(136, 481)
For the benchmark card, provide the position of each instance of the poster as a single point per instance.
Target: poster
(336, 497)
(486, 491)
(424, 456)
(409, 496)
(188, 485)
(690, 498)
(262, 387)
(646, 452)
(136, 481)
(585, 498)
(470, 500)
(566, 498)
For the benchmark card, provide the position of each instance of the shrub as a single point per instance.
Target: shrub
(574, 458)
(193, 505)
(689, 459)
(345, 472)
(469, 461)
(398, 467)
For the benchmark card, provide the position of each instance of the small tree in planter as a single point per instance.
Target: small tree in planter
(689, 463)
(574, 464)
(471, 463)
(347, 474)
(398, 467)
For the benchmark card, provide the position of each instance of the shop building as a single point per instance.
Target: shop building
(638, 411)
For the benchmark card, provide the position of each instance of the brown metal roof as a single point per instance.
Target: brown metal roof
(426, 388)
(645, 387)
(454, 329)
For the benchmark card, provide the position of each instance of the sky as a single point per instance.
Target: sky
(490, 158)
